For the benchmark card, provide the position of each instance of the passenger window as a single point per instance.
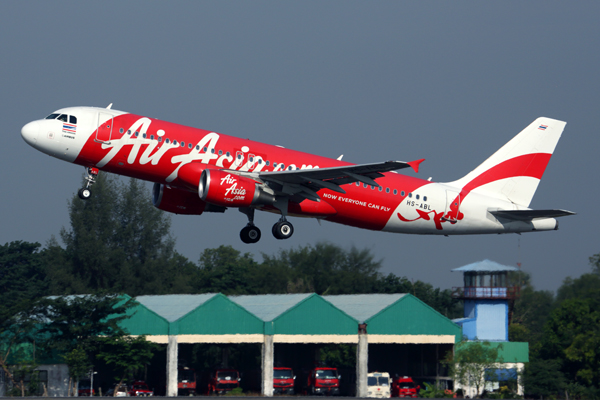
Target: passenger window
(144, 136)
(212, 151)
(365, 185)
(121, 130)
(73, 120)
(417, 197)
(267, 163)
(197, 147)
(410, 195)
(387, 190)
(189, 146)
(401, 194)
(137, 134)
(380, 188)
(160, 139)
(151, 137)
(205, 149)
(424, 198)
(358, 183)
(167, 141)
(395, 191)
(182, 144)
(175, 142)
(220, 152)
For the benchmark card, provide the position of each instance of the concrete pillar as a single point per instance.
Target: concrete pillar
(172, 366)
(268, 351)
(362, 361)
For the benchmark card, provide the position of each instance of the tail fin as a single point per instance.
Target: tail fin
(514, 171)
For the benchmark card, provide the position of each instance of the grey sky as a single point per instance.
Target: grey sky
(450, 82)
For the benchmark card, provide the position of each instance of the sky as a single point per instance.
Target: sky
(450, 82)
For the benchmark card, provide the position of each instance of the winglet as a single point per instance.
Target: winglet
(415, 164)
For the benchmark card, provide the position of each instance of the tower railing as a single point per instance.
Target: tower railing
(486, 292)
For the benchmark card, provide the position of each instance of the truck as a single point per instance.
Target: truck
(140, 389)
(378, 385)
(321, 381)
(404, 386)
(221, 381)
(283, 380)
(186, 381)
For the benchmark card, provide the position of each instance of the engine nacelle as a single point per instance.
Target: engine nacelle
(176, 201)
(230, 190)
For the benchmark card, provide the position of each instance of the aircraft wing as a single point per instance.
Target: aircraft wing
(528, 215)
(306, 182)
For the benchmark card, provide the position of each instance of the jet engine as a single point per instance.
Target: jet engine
(177, 201)
(227, 189)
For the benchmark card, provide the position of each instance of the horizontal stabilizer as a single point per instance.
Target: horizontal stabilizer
(527, 215)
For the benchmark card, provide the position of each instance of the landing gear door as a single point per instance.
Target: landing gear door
(105, 126)
(452, 205)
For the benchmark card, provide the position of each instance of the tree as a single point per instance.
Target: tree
(118, 242)
(22, 281)
(571, 337)
(125, 353)
(472, 362)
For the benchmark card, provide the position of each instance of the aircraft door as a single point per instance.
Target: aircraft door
(452, 206)
(105, 125)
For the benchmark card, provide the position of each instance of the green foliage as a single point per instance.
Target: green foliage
(119, 242)
(542, 378)
(235, 392)
(433, 391)
(22, 280)
(78, 363)
(125, 353)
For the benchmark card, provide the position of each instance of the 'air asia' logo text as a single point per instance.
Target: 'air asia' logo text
(239, 194)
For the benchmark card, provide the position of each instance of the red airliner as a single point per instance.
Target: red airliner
(196, 171)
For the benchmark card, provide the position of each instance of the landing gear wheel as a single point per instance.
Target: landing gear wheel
(283, 230)
(250, 234)
(84, 193)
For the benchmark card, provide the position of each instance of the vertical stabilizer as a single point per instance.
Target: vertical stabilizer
(514, 171)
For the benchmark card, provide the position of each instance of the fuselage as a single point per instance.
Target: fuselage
(163, 152)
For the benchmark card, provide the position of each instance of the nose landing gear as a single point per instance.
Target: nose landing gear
(85, 192)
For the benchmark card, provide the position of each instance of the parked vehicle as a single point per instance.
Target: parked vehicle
(84, 389)
(186, 382)
(121, 391)
(404, 386)
(140, 389)
(221, 381)
(322, 380)
(283, 380)
(378, 385)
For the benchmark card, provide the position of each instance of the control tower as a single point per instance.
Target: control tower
(488, 301)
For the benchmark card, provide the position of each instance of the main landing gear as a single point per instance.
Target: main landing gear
(91, 175)
(251, 234)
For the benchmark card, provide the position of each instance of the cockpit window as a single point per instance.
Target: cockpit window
(52, 116)
(72, 119)
(63, 117)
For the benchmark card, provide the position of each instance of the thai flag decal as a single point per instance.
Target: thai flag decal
(69, 128)
(542, 127)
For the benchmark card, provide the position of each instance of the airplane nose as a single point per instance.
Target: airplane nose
(30, 132)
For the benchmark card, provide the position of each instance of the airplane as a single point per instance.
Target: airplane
(196, 171)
